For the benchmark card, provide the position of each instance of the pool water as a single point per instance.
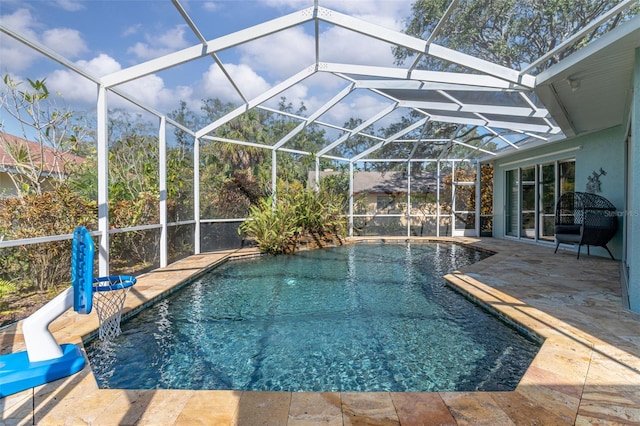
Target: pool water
(355, 318)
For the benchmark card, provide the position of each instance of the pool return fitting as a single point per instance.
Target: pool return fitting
(45, 360)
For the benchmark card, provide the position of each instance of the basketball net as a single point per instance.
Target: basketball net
(109, 306)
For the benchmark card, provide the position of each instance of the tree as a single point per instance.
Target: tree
(229, 172)
(356, 143)
(513, 33)
(51, 127)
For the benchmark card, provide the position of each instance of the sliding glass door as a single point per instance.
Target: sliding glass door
(531, 196)
(512, 203)
(547, 201)
(528, 206)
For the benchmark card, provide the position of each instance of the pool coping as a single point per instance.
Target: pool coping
(577, 376)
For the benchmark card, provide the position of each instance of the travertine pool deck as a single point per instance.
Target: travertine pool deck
(587, 371)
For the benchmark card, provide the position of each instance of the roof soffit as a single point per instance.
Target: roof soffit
(590, 90)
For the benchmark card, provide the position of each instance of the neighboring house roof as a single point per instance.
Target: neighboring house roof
(386, 182)
(53, 161)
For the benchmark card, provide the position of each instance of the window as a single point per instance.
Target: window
(385, 202)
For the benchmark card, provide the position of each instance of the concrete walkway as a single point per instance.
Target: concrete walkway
(587, 371)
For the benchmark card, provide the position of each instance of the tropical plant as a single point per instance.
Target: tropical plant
(297, 213)
(318, 212)
(273, 227)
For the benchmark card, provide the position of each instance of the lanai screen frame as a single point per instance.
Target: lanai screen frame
(483, 76)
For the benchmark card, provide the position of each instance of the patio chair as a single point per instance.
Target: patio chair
(585, 219)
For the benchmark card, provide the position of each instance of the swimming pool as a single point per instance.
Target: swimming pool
(355, 318)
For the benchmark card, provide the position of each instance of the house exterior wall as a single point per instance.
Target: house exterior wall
(7, 189)
(604, 149)
(632, 255)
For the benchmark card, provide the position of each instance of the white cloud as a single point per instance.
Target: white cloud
(133, 29)
(158, 45)
(210, 6)
(21, 20)
(296, 95)
(70, 5)
(341, 45)
(356, 106)
(215, 84)
(388, 13)
(281, 54)
(381, 10)
(74, 88)
(77, 89)
(260, 64)
(151, 91)
(16, 57)
(65, 41)
(100, 65)
(291, 4)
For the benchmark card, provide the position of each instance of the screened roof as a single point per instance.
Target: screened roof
(476, 110)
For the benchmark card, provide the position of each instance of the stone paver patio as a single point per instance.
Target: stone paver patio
(587, 371)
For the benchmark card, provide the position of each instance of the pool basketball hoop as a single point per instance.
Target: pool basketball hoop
(45, 360)
(109, 296)
(108, 293)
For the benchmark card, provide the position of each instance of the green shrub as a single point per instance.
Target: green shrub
(6, 287)
(54, 212)
(134, 250)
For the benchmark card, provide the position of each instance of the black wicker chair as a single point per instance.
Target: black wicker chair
(585, 219)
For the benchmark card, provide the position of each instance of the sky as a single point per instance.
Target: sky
(105, 36)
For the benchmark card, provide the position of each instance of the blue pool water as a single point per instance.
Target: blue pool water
(354, 318)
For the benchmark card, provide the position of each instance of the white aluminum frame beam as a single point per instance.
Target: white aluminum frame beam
(39, 47)
(229, 77)
(620, 7)
(302, 118)
(203, 40)
(189, 21)
(103, 180)
(475, 108)
(408, 84)
(459, 142)
(320, 111)
(421, 46)
(391, 138)
(358, 129)
(496, 134)
(205, 49)
(481, 121)
(258, 145)
(275, 90)
(422, 76)
(435, 32)
(162, 189)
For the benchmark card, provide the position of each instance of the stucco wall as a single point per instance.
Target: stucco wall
(604, 149)
(633, 203)
(7, 189)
